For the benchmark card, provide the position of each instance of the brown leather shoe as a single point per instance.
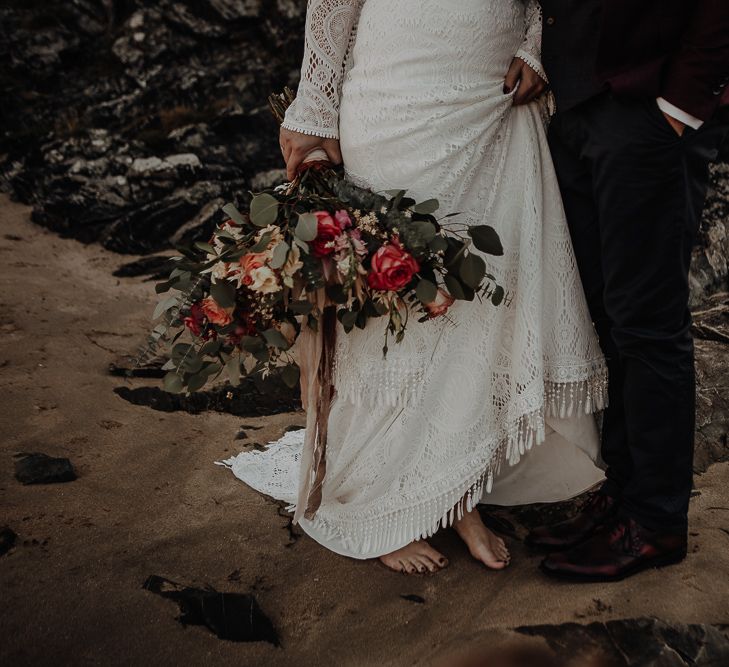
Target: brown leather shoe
(599, 509)
(616, 552)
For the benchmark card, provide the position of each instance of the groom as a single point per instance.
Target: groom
(641, 90)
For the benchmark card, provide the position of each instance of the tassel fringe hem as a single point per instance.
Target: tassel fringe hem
(380, 533)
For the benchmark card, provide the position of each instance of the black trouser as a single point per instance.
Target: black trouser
(633, 192)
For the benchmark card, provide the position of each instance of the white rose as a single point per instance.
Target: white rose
(293, 262)
(263, 280)
(220, 271)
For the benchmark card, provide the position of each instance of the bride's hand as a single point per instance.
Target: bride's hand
(531, 85)
(295, 146)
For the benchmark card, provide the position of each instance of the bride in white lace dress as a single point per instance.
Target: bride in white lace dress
(414, 94)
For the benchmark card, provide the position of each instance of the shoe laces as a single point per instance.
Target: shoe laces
(625, 536)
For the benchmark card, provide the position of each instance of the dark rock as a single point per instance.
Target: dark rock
(141, 367)
(411, 597)
(253, 397)
(710, 263)
(638, 642)
(7, 540)
(157, 267)
(241, 435)
(39, 468)
(235, 617)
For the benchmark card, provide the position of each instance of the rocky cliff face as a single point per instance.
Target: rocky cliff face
(129, 122)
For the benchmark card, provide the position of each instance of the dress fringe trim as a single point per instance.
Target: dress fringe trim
(374, 535)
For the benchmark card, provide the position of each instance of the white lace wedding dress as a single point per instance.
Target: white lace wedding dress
(413, 91)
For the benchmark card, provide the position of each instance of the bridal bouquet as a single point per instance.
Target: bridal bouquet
(315, 248)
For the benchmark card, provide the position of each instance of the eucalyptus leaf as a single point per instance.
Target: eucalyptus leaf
(192, 363)
(205, 247)
(223, 293)
(438, 244)
(486, 239)
(454, 286)
(276, 339)
(173, 382)
(180, 350)
(211, 347)
(498, 296)
(426, 291)
(163, 306)
(162, 287)
(302, 244)
(264, 209)
(212, 368)
(279, 255)
(234, 214)
(427, 206)
(472, 270)
(197, 381)
(307, 228)
(290, 375)
(262, 243)
(252, 344)
(348, 319)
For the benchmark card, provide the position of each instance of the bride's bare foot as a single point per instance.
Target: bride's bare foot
(417, 556)
(482, 543)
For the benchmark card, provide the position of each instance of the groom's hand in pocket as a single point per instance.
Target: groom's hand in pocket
(529, 85)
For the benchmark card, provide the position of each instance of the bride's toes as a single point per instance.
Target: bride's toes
(415, 557)
(427, 565)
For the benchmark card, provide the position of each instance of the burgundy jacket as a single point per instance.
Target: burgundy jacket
(676, 49)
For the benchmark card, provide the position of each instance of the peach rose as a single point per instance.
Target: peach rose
(248, 263)
(215, 313)
(442, 302)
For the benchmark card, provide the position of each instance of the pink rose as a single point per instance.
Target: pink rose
(342, 217)
(215, 313)
(391, 268)
(327, 230)
(442, 302)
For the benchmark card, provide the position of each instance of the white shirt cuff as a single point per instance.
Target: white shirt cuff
(679, 114)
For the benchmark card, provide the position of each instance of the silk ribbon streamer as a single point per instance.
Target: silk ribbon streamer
(316, 363)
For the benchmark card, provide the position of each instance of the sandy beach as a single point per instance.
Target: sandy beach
(149, 500)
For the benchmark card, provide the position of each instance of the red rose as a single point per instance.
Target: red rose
(196, 319)
(392, 268)
(327, 230)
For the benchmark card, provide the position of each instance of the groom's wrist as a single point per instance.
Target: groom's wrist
(678, 114)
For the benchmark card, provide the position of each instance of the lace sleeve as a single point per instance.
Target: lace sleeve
(531, 48)
(330, 30)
